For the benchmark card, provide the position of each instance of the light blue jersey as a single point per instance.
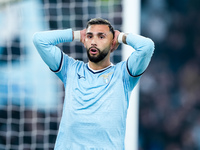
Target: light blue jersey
(96, 103)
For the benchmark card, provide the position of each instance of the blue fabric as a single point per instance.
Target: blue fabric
(45, 43)
(139, 59)
(96, 103)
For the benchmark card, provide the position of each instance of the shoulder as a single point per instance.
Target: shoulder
(120, 68)
(71, 61)
(68, 64)
(120, 65)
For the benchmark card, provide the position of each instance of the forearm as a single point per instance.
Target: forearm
(45, 43)
(140, 58)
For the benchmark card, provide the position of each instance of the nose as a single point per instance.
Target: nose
(94, 42)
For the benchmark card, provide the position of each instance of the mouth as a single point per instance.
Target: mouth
(93, 50)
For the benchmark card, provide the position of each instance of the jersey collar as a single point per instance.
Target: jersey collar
(98, 71)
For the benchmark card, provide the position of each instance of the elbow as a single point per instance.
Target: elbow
(149, 46)
(37, 39)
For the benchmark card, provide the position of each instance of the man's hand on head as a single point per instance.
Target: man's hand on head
(79, 35)
(83, 35)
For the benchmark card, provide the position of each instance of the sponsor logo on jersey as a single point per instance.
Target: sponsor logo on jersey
(80, 76)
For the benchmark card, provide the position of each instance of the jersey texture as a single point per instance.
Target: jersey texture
(95, 107)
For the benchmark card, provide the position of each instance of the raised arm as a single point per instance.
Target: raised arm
(45, 43)
(140, 58)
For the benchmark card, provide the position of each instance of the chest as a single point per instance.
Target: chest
(91, 90)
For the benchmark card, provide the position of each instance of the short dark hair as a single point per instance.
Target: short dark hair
(100, 21)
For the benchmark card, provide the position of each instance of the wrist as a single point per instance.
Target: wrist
(120, 37)
(77, 35)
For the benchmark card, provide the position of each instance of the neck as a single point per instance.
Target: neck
(99, 65)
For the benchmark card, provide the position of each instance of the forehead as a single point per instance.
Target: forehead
(98, 28)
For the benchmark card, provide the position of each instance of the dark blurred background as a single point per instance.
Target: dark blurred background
(170, 88)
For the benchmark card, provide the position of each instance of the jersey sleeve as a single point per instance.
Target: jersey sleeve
(65, 67)
(140, 58)
(45, 43)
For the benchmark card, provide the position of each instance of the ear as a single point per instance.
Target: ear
(113, 43)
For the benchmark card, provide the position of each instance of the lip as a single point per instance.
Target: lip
(93, 51)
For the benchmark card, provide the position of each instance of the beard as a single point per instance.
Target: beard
(99, 57)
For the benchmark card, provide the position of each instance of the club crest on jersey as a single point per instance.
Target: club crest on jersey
(106, 77)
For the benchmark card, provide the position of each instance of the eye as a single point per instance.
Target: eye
(89, 36)
(101, 37)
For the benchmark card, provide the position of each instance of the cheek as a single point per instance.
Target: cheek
(108, 45)
(86, 43)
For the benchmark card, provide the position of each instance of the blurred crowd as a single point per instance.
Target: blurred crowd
(170, 88)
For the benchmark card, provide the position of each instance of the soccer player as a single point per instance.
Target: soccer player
(96, 93)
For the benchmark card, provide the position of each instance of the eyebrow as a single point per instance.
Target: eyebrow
(99, 33)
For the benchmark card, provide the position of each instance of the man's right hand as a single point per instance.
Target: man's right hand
(83, 35)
